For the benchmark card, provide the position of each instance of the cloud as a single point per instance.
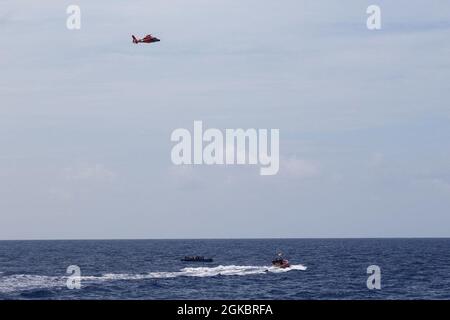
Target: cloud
(440, 184)
(95, 172)
(4, 19)
(185, 177)
(376, 159)
(298, 168)
(59, 194)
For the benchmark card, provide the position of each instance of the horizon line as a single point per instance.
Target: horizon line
(237, 238)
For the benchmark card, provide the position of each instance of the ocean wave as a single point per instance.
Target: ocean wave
(20, 282)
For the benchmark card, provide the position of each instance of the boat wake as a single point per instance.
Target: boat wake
(231, 270)
(20, 282)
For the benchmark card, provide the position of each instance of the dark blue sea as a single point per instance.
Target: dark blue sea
(151, 269)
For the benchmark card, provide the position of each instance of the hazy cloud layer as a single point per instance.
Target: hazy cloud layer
(86, 118)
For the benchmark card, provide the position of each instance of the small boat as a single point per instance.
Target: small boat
(281, 263)
(197, 259)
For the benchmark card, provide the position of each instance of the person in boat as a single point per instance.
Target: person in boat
(280, 261)
(279, 258)
(276, 260)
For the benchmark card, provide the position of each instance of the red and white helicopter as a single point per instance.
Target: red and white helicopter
(147, 39)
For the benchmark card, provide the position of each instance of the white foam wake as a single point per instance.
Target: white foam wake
(29, 282)
(20, 282)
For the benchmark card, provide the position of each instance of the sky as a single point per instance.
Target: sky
(86, 119)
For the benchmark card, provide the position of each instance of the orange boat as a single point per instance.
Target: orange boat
(281, 263)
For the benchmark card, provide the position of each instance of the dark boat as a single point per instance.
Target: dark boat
(281, 263)
(197, 259)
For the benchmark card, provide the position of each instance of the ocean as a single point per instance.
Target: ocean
(151, 269)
